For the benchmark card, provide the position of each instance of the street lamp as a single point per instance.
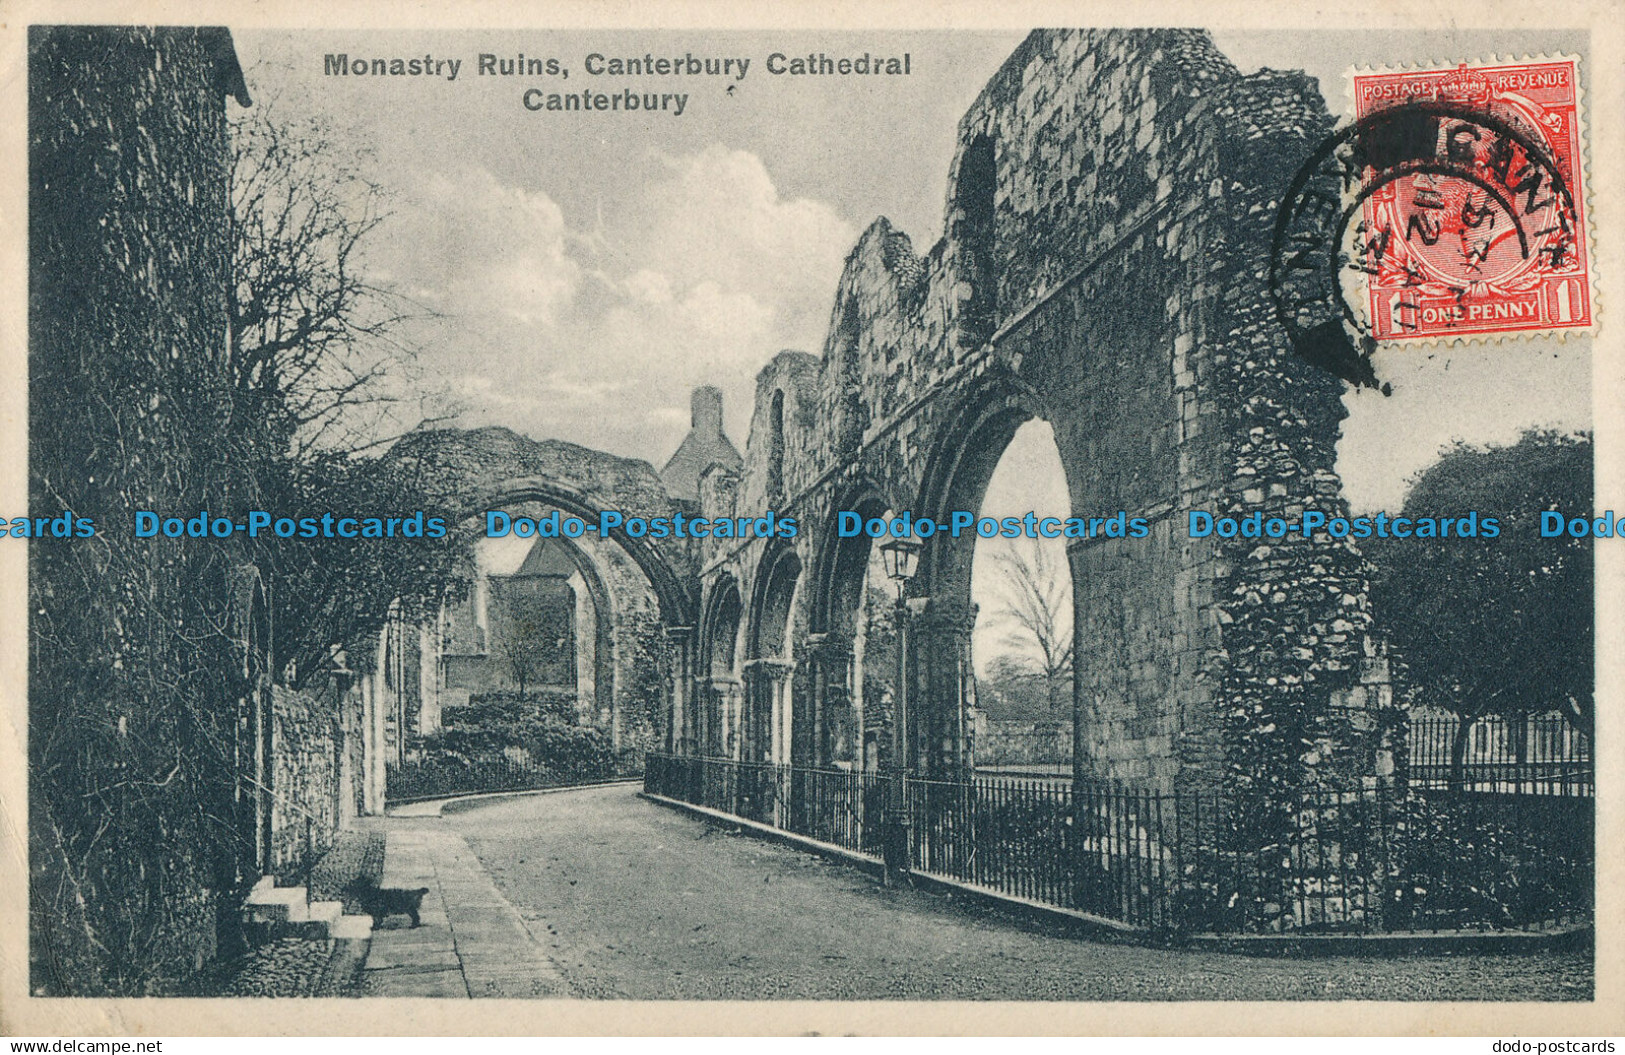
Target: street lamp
(901, 556)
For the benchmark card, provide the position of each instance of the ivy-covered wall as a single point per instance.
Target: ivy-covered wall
(136, 836)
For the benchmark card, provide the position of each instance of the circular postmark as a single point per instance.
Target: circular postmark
(1426, 219)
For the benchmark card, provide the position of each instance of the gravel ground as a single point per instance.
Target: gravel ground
(637, 901)
(285, 967)
(307, 967)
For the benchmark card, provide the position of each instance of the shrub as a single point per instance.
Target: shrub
(504, 741)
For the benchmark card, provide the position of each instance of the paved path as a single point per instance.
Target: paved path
(627, 899)
(471, 942)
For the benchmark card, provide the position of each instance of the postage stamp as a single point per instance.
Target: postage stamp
(1472, 216)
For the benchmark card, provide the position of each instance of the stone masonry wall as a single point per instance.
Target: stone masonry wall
(1108, 221)
(309, 739)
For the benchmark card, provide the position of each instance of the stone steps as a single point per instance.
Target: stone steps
(285, 911)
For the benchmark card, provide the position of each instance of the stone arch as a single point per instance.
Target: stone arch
(835, 644)
(721, 688)
(968, 449)
(771, 667)
(778, 577)
(838, 575)
(617, 655)
(676, 601)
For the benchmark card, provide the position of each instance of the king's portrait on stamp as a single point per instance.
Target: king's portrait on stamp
(563, 511)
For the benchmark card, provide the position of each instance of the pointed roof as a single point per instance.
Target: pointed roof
(548, 557)
(704, 446)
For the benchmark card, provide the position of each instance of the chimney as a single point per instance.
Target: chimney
(706, 404)
(704, 446)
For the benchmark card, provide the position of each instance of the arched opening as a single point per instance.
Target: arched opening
(854, 649)
(971, 589)
(719, 718)
(527, 668)
(775, 449)
(1021, 647)
(676, 603)
(540, 618)
(568, 629)
(771, 670)
(536, 623)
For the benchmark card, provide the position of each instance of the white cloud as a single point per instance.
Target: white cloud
(559, 385)
(699, 276)
(718, 221)
(479, 247)
(650, 287)
(478, 388)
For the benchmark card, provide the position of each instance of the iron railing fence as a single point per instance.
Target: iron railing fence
(1533, 756)
(1192, 862)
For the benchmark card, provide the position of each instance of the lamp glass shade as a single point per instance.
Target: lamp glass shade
(901, 556)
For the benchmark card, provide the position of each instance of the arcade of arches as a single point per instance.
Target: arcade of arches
(1104, 269)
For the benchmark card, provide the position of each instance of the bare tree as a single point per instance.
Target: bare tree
(1035, 595)
(314, 342)
(320, 375)
(518, 645)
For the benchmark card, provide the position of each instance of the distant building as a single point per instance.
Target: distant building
(705, 446)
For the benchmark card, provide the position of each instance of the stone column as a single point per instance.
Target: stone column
(705, 708)
(944, 687)
(802, 715)
(767, 686)
(829, 694)
(729, 693)
(750, 725)
(680, 733)
(767, 721)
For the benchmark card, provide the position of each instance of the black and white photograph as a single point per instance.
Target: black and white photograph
(904, 511)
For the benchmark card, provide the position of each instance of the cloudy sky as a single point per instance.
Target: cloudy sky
(588, 270)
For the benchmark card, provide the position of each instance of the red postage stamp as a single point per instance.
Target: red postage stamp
(1472, 220)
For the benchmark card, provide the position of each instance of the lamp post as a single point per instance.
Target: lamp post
(901, 556)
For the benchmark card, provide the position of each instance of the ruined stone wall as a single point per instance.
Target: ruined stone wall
(462, 466)
(466, 472)
(1304, 700)
(627, 694)
(643, 584)
(1108, 223)
(309, 739)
